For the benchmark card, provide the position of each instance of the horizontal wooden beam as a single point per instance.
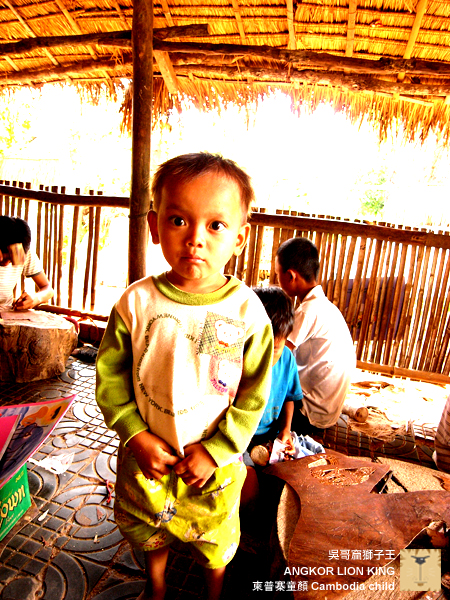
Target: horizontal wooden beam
(404, 236)
(112, 38)
(428, 376)
(352, 81)
(64, 199)
(307, 58)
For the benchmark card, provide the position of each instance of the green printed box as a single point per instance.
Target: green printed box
(14, 500)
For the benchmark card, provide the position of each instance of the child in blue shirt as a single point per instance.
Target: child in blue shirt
(285, 388)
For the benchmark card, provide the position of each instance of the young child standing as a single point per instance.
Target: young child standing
(183, 373)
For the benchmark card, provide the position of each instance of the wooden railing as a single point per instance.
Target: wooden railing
(391, 284)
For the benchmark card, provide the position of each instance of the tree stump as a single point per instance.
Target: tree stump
(34, 345)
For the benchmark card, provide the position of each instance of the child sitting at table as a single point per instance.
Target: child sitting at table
(285, 388)
(183, 374)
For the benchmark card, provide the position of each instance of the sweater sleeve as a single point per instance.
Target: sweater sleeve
(242, 418)
(114, 389)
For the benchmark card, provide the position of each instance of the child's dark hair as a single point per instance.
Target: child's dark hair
(280, 309)
(186, 167)
(301, 255)
(14, 231)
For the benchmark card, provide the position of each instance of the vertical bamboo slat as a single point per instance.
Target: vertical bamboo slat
(97, 223)
(369, 301)
(60, 252)
(73, 249)
(419, 357)
(410, 352)
(349, 262)
(251, 255)
(257, 258)
(88, 255)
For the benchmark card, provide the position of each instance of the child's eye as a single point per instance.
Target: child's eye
(177, 221)
(217, 225)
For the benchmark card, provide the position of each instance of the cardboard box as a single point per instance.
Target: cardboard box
(14, 500)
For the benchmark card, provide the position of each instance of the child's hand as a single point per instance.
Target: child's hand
(285, 437)
(154, 456)
(24, 302)
(197, 466)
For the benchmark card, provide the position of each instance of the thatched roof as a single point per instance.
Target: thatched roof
(385, 59)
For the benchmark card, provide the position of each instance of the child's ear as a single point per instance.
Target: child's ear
(152, 219)
(242, 239)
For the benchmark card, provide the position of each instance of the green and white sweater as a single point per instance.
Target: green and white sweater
(188, 367)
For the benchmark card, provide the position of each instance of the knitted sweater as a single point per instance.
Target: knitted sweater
(188, 367)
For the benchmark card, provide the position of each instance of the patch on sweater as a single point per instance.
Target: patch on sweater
(222, 337)
(224, 375)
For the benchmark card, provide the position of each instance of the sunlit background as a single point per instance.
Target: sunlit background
(316, 164)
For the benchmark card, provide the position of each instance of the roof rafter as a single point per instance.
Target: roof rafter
(421, 9)
(238, 17)
(351, 27)
(27, 28)
(290, 21)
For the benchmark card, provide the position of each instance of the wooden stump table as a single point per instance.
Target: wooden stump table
(34, 345)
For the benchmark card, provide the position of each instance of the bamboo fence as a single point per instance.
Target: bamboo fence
(392, 284)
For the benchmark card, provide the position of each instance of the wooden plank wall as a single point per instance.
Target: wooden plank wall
(391, 284)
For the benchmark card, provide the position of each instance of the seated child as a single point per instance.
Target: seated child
(285, 388)
(17, 259)
(320, 339)
(183, 374)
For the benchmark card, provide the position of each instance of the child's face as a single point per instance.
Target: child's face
(278, 347)
(199, 225)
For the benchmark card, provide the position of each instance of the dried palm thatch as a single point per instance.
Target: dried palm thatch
(386, 60)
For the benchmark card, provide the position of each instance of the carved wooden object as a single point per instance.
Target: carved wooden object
(339, 510)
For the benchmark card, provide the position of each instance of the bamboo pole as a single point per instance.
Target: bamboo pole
(251, 255)
(97, 223)
(338, 275)
(141, 136)
(369, 301)
(259, 245)
(380, 325)
(349, 262)
(418, 361)
(275, 245)
(393, 316)
(373, 298)
(434, 314)
(330, 267)
(404, 310)
(378, 307)
(437, 364)
(54, 242)
(411, 308)
(410, 352)
(88, 255)
(60, 254)
(444, 349)
(352, 314)
(73, 249)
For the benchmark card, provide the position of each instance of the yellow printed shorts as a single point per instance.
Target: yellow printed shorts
(151, 514)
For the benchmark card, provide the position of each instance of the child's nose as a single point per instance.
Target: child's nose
(196, 236)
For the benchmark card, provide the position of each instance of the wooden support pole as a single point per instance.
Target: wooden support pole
(140, 159)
